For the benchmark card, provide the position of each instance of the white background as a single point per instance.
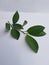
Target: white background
(25, 5)
(17, 52)
(13, 52)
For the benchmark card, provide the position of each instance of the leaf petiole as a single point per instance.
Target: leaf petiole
(24, 32)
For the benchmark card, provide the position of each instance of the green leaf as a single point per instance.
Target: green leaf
(35, 30)
(7, 26)
(25, 22)
(17, 26)
(41, 34)
(15, 17)
(32, 43)
(15, 34)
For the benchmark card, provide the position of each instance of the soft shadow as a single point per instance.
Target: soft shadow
(3, 32)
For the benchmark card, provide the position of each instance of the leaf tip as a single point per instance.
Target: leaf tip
(15, 17)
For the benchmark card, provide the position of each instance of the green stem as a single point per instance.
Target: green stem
(23, 32)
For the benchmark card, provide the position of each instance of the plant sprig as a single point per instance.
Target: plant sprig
(16, 28)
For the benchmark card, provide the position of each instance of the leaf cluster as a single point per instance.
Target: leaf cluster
(16, 28)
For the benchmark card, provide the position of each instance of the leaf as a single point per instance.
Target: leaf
(41, 34)
(15, 34)
(35, 30)
(17, 26)
(25, 22)
(15, 17)
(32, 43)
(8, 26)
